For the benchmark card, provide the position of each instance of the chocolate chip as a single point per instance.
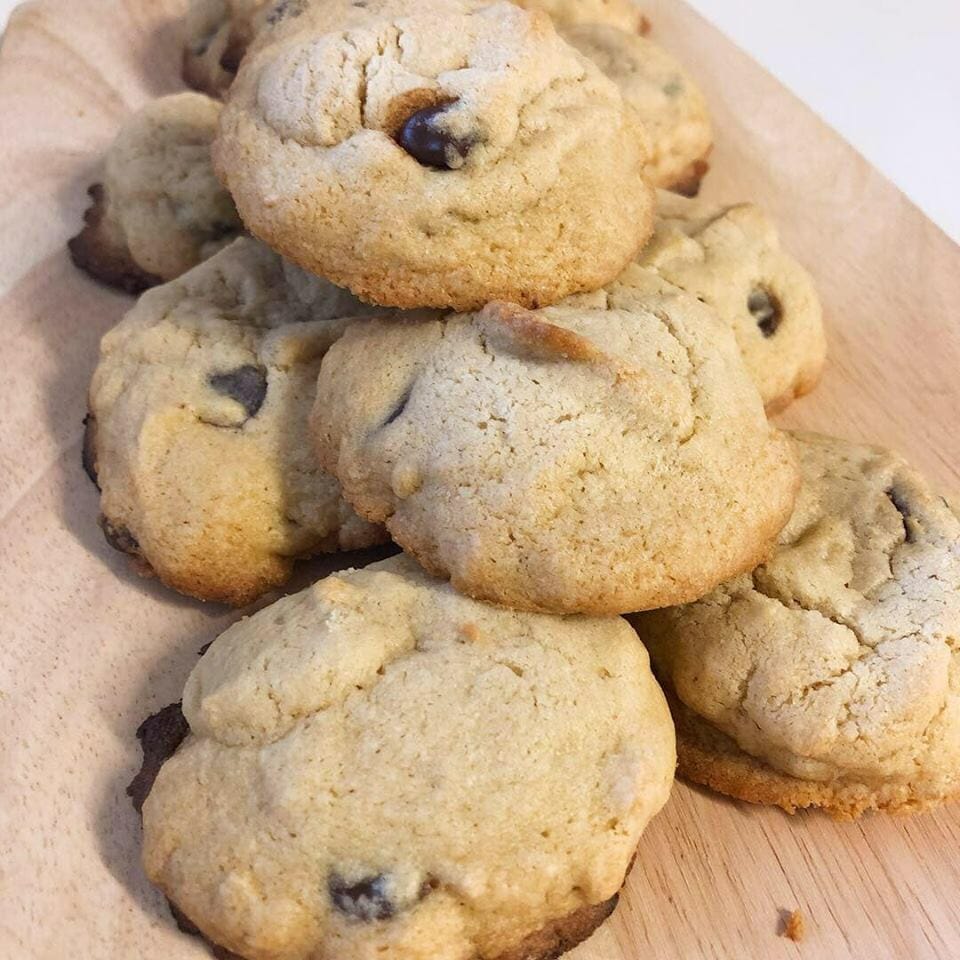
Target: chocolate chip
(220, 231)
(431, 145)
(766, 310)
(674, 88)
(285, 9)
(160, 736)
(899, 501)
(120, 538)
(397, 411)
(89, 457)
(366, 900)
(247, 385)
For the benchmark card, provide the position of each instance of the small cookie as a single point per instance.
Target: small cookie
(160, 209)
(623, 14)
(830, 677)
(436, 153)
(601, 456)
(218, 33)
(380, 766)
(670, 104)
(730, 257)
(198, 431)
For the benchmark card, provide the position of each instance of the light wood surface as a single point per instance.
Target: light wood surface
(88, 649)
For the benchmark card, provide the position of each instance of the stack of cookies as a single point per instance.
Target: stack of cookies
(430, 273)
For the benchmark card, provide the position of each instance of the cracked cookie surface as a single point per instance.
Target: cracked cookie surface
(671, 106)
(160, 209)
(731, 258)
(198, 428)
(442, 153)
(606, 455)
(829, 676)
(378, 764)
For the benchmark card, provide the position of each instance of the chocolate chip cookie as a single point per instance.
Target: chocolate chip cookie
(442, 153)
(670, 104)
(730, 257)
(160, 209)
(601, 456)
(198, 429)
(829, 676)
(218, 33)
(380, 766)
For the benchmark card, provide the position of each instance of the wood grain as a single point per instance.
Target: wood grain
(88, 650)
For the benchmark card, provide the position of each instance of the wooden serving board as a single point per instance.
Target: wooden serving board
(88, 649)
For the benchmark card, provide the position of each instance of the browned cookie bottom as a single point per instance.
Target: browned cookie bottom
(708, 757)
(95, 252)
(559, 936)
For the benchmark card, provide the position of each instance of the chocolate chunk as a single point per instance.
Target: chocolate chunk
(247, 385)
(160, 736)
(89, 448)
(766, 310)
(120, 538)
(674, 88)
(899, 501)
(431, 145)
(366, 900)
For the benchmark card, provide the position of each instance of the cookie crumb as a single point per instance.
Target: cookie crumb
(794, 926)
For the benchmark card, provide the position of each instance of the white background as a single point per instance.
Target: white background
(885, 74)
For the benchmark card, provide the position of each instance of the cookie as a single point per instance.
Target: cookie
(160, 209)
(218, 33)
(623, 14)
(379, 766)
(435, 153)
(730, 258)
(828, 677)
(198, 431)
(673, 110)
(603, 456)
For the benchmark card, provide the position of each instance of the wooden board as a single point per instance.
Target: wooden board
(88, 650)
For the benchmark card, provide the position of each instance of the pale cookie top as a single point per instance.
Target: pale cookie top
(200, 403)
(606, 455)
(624, 14)
(731, 258)
(837, 660)
(668, 101)
(160, 189)
(441, 153)
(378, 764)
